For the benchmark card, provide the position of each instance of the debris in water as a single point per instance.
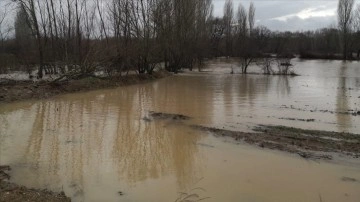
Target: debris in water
(349, 179)
(295, 119)
(146, 119)
(7, 168)
(205, 145)
(163, 116)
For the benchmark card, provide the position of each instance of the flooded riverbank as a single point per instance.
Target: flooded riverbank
(99, 145)
(19, 88)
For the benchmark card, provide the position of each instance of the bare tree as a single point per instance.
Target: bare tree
(217, 28)
(251, 17)
(244, 49)
(242, 22)
(204, 16)
(356, 29)
(163, 22)
(356, 19)
(5, 29)
(345, 17)
(266, 65)
(29, 7)
(228, 22)
(24, 39)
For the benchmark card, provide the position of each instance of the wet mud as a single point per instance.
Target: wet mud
(11, 90)
(13, 192)
(309, 144)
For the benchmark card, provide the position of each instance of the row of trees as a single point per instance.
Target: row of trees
(138, 35)
(242, 39)
(118, 35)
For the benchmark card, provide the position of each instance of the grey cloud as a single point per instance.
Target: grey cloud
(298, 24)
(267, 10)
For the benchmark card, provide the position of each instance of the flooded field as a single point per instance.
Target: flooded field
(102, 145)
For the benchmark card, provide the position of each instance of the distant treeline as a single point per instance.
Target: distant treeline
(117, 36)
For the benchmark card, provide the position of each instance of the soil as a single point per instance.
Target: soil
(11, 90)
(12, 192)
(309, 144)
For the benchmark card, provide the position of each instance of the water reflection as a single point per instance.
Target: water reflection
(342, 101)
(283, 85)
(72, 137)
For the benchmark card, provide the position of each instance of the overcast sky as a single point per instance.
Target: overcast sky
(289, 15)
(283, 15)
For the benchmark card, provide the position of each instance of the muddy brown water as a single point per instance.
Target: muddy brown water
(97, 146)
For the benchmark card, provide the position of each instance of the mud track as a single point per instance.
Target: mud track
(309, 144)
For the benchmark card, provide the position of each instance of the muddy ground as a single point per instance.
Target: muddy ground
(11, 90)
(309, 144)
(10, 192)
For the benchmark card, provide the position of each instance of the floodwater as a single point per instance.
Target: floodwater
(96, 146)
